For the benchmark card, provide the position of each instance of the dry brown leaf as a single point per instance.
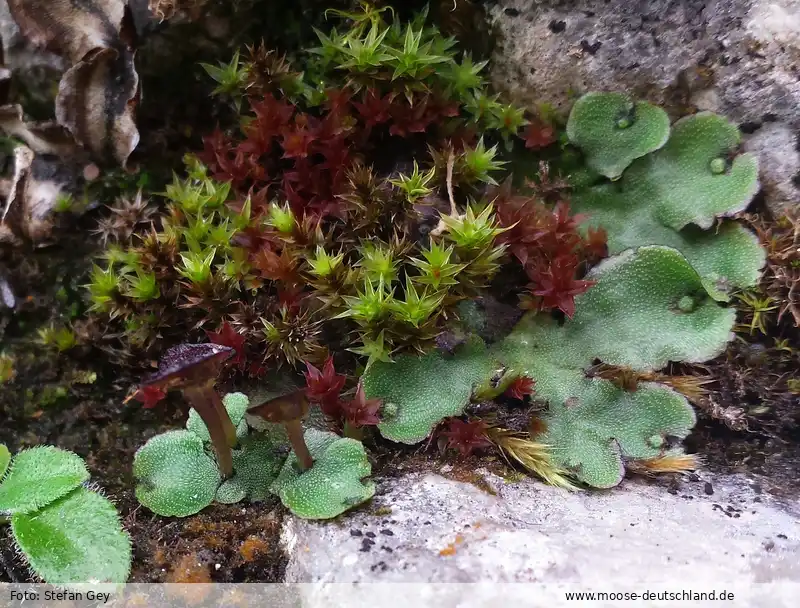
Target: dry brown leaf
(166, 9)
(163, 9)
(98, 94)
(30, 196)
(97, 101)
(70, 28)
(42, 138)
(35, 184)
(13, 190)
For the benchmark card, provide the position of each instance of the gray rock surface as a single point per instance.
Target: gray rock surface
(737, 57)
(778, 151)
(444, 531)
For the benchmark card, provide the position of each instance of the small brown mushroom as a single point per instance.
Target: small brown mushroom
(288, 410)
(193, 369)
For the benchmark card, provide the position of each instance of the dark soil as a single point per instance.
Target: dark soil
(46, 404)
(750, 390)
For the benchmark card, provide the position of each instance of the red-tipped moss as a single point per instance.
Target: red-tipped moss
(308, 230)
(360, 412)
(227, 336)
(539, 134)
(467, 436)
(149, 396)
(324, 387)
(521, 387)
(555, 286)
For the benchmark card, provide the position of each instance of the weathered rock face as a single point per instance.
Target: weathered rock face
(740, 58)
(433, 529)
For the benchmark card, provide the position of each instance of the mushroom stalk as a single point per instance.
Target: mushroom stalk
(294, 429)
(227, 423)
(203, 399)
(288, 410)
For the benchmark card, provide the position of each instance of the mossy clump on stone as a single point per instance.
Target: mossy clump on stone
(350, 216)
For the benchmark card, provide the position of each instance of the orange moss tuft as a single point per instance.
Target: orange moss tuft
(465, 473)
(780, 237)
(671, 463)
(537, 427)
(159, 555)
(690, 386)
(190, 569)
(253, 547)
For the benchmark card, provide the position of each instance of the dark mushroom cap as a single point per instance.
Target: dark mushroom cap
(188, 365)
(285, 408)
